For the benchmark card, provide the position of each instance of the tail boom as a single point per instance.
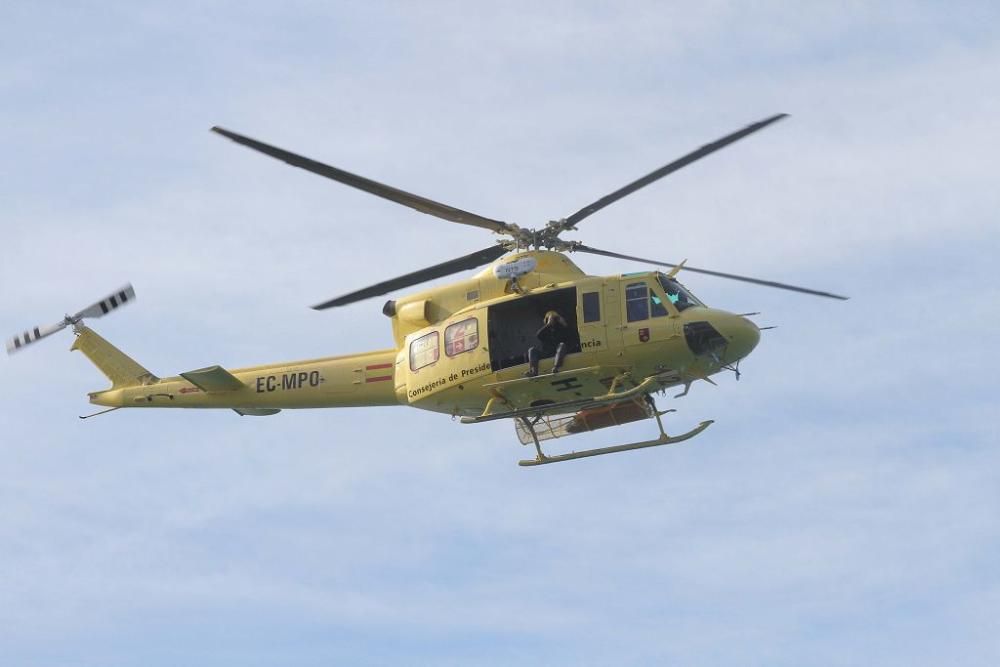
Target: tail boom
(348, 381)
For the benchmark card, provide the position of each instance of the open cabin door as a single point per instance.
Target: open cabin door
(513, 325)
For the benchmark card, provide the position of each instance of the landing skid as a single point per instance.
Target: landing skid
(664, 439)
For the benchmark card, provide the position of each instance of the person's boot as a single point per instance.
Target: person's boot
(560, 355)
(532, 363)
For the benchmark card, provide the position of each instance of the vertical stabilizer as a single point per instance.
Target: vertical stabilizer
(120, 368)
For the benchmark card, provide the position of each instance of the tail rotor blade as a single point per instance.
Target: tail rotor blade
(111, 302)
(33, 335)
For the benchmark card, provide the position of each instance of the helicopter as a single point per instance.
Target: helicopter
(474, 349)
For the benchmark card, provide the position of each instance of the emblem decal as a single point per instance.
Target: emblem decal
(643, 335)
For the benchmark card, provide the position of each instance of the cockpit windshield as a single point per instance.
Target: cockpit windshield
(677, 293)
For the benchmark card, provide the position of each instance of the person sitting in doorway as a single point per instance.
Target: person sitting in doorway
(553, 336)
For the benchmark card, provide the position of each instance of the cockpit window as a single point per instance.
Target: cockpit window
(641, 302)
(656, 306)
(677, 293)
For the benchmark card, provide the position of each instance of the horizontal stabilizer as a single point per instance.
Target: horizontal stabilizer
(213, 378)
(256, 412)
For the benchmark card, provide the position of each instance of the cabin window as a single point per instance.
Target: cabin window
(461, 337)
(424, 351)
(637, 302)
(591, 306)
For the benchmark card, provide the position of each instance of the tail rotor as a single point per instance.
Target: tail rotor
(101, 308)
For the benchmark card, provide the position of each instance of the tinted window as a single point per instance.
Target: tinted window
(677, 294)
(656, 304)
(461, 337)
(424, 351)
(637, 302)
(591, 306)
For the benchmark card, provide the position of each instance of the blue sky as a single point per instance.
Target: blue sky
(843, 508)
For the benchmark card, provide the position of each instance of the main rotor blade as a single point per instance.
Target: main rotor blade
(417, 202)
(470, 261)
(718, 274)
(572, 220)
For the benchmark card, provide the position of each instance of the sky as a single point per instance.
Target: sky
(842, 510)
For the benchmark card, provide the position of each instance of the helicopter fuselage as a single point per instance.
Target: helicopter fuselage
(618, 324)
(457, 345)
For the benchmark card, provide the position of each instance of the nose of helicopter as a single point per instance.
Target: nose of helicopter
(741, 334)
(726, 337)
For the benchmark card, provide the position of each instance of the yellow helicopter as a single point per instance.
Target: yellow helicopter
(479, 349)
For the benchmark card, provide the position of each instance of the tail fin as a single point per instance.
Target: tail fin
(120, 368)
